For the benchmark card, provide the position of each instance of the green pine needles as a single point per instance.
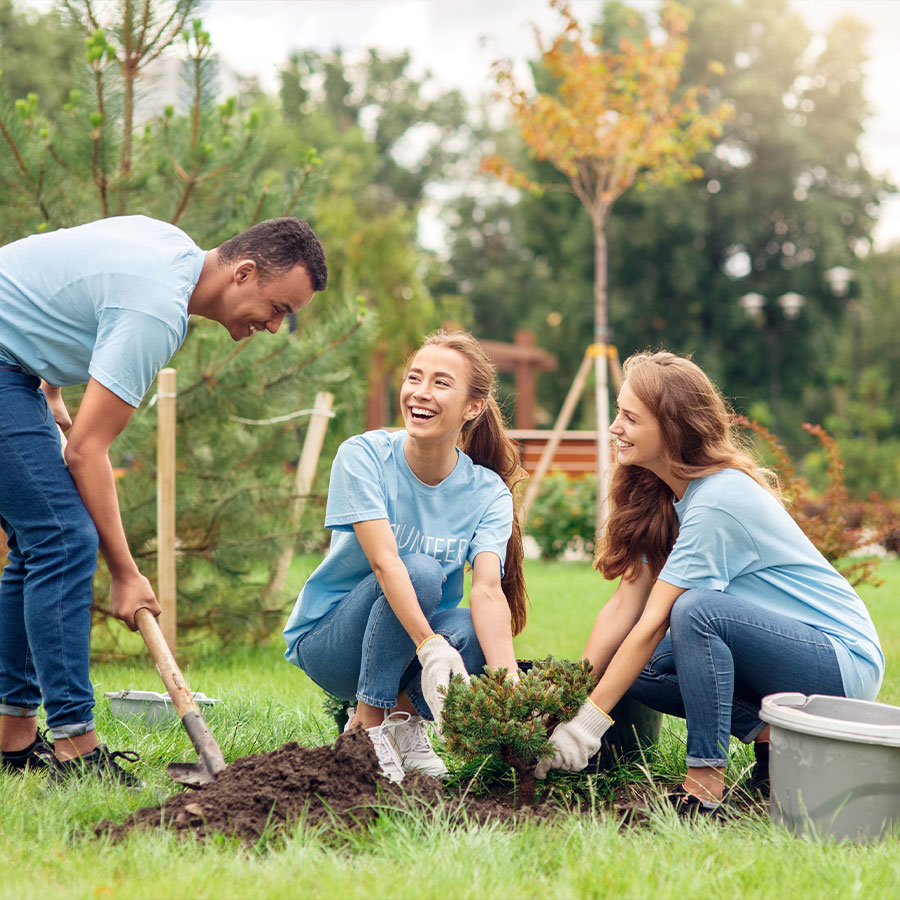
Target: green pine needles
(513, 720)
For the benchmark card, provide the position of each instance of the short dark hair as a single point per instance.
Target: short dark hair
(277, 246)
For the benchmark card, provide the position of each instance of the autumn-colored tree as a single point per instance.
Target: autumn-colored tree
(616, 116)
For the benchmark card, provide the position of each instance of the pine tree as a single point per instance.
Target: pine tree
(494, 716)
(199, 162)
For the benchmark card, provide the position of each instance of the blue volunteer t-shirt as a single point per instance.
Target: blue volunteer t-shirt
(107, 300)
(736, 537)
(468, 513)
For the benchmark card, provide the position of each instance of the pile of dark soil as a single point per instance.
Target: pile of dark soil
(267, 793)
(264, 793)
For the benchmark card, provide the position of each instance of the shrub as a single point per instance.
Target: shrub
(840, 528)
(493, 716)
(869, 466)
(563, 514)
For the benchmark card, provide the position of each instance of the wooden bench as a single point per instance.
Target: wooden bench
(575, 456)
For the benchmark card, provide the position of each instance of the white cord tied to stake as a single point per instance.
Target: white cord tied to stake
(273, 421)
(166, 395)
(276, 419)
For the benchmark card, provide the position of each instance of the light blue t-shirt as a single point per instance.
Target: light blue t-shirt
(736, 537)
(107, 300)
(468, 513)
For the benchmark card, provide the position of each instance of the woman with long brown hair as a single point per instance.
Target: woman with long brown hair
(379, 622)
(722, 599)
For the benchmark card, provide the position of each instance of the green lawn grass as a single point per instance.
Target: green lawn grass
(45, 850)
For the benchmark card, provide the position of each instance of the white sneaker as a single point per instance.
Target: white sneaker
(386, 751)
(410, 735)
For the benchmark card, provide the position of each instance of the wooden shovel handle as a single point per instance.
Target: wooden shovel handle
(165, 663)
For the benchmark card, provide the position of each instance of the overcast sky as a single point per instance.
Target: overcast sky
(457, 40)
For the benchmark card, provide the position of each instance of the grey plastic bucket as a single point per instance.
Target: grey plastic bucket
(834, 765)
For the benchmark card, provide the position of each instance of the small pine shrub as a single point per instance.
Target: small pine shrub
(493, 716)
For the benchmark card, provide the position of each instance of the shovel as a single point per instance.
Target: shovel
(211, 762)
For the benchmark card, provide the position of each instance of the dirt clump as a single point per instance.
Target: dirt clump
(266, 792)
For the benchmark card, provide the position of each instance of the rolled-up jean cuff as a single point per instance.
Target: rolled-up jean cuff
(74, 730)
(378, 704)
(695, 762)
(21, 712)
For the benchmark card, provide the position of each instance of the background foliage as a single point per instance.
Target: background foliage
(785, 197)
(357, 146)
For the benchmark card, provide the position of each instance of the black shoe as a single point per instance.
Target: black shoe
(36, 757)
(758, 780)
(690, 807)
(99, 763)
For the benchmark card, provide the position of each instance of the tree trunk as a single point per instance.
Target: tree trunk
(601, 368)
(527, 780)
(130, 67)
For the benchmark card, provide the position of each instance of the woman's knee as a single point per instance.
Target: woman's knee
(695, 607)
(427, 576)
(457, 627)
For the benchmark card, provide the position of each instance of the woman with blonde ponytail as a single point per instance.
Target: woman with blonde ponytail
(722, 599)
(379, 622)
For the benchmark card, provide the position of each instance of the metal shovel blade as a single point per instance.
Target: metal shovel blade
(192, 775)
(195, 775)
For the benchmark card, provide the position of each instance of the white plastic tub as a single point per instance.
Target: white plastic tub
(834, 765)
(154, 708)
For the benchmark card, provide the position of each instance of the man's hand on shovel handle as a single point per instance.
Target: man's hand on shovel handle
(129, 594)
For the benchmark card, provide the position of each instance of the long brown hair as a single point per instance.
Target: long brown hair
(699, 438)
(485, 441)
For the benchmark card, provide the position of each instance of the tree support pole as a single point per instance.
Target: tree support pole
(165, 504)
(306, 472)
(601, 394)
(596, 355)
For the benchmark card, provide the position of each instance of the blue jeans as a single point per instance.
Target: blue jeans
(45, 588)
(360, 649)
(720, 657)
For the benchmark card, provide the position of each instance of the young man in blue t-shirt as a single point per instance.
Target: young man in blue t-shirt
(104, 304)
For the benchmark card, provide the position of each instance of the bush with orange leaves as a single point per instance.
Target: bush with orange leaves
(841, 528)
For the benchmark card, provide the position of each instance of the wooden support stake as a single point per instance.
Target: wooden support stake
(615, 368)
(303, 483)
(165, 504)
(601, 395)
(562, 421)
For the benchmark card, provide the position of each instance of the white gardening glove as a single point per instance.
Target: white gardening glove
(439, 661)
(576, 741)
